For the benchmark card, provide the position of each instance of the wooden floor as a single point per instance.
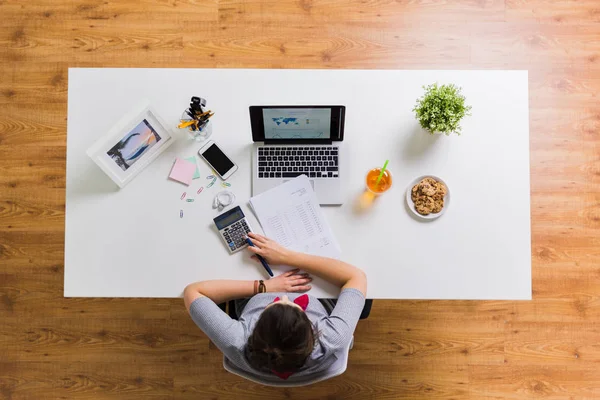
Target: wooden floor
(56, 348)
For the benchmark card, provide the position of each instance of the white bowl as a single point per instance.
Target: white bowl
(411, 204)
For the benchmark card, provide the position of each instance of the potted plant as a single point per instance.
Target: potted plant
(441, 109)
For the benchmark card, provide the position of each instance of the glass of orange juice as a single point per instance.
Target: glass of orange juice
(384, 184)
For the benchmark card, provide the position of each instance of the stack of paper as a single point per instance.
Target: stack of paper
(290, 214)
(183, 171)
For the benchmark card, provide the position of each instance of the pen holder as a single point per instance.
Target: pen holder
(199, 134)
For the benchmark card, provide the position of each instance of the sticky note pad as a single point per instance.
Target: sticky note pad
(197, 173)
(183, 171)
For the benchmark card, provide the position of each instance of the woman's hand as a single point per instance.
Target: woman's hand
(291, 281)
(270, 250)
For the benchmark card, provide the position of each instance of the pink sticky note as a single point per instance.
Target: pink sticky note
(183, 171)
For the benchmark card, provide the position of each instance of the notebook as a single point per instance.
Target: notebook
(290, 214)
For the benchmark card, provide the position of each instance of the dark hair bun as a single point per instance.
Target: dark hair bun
(275, 355)
(282, 339)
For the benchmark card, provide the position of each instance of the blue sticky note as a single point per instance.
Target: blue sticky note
(197, 173)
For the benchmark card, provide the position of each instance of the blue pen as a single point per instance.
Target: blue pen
(262, 260)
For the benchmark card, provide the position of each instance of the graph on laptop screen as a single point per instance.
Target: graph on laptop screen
(294, 123)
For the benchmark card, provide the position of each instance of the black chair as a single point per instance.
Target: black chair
(229, 308)
(366, 311)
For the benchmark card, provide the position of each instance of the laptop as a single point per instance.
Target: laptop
(298, 140)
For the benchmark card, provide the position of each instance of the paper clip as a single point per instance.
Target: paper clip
(211, 183)
(180, 213)
(225, 184)
(210, 177)
(190, 200)
(200, 190)
(183, 195)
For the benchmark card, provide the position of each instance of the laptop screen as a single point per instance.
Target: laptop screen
(311, 124)
(297, 123)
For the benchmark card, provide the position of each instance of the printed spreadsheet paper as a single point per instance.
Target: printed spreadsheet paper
(290, 214)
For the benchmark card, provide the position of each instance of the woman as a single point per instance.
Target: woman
(280, 338)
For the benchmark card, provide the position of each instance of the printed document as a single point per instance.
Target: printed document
(290, 214)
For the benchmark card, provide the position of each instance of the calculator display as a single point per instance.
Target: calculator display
(229, 218)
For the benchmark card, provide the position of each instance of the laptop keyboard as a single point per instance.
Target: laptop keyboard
(290, 162)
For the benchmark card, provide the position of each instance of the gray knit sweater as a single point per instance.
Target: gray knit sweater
(230, 336)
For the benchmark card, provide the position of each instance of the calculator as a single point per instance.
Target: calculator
(233, 227)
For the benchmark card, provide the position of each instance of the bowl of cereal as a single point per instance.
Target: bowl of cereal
(428, 197)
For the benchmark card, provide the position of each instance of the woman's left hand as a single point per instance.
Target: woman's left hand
(290, 282)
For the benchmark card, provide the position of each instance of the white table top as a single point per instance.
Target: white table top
(132, 243)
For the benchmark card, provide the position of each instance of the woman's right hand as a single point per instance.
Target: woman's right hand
(269, 249)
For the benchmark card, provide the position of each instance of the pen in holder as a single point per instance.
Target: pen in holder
(196, 120)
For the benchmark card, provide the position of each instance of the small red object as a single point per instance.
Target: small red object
(302, 301)
(282, 375)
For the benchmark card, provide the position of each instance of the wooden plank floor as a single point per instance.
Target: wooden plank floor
(56, 348)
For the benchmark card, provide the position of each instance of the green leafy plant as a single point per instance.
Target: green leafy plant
(441, 109)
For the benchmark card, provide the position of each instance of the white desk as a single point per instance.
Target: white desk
(132, 243)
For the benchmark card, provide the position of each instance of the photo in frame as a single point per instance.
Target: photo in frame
(131, 145)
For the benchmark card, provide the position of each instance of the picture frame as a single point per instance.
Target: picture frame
(131, 144)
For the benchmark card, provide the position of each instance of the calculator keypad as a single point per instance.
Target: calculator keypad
(235, 234)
